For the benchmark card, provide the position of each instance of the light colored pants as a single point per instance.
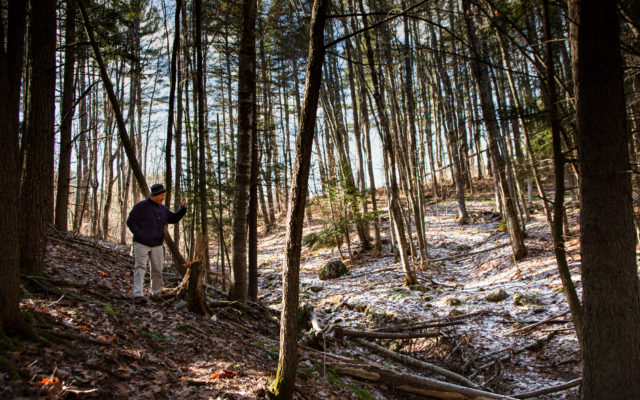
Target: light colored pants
(143, 255)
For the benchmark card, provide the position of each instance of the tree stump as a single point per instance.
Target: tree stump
(191, 288)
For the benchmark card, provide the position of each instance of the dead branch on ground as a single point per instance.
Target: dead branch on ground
(552, 389)
(414, 362)
(341, 331)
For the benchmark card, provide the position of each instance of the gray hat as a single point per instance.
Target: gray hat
(157, 189)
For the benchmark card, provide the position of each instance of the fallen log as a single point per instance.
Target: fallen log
(404, 382)
(414, 362)
(413, 383)
(341, 332)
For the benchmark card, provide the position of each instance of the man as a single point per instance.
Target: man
(146, 221)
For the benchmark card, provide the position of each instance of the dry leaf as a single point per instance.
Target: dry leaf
(47, 381)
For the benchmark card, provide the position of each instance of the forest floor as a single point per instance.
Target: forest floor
(101, 345)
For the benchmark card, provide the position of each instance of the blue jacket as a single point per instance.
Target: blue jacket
(147, 220)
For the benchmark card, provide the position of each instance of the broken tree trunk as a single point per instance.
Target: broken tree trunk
(413, 383)
(192, 285)
(179, 261)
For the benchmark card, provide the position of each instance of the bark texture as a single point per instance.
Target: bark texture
(36, 196)
(611, 298)
(481, 77)
(246, 116)
(284, 383)
(10, 63)
(68, 109)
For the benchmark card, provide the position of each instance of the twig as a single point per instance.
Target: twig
(552, 389)
(529, 327)
(342, 302)
(56, 302)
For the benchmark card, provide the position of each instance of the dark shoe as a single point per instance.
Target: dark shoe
(140, 300)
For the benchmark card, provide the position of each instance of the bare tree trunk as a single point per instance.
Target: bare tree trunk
(83, 171)
(11, 64)
(36, 204)
(525, 131)
(611, 296)
(284, 382)
(452, 135)
(202, 130)
(559, 164)
(252, 218)
(178, 157)
(172, 94)
(66, 115)
(394, 205)
(246, 124)
(481, 77)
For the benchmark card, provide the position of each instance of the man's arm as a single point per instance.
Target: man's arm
(175, 217)
(132, 222)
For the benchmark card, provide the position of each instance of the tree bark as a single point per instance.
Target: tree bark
(559, 164)
(394, 206)
(252, 218)
(175, 51)
(11, 63)
(284, 382)
(36, 196)
(611, 297)
(246, 122)
(66, 115)
(202, 129)
(411, 383)
(481, 78)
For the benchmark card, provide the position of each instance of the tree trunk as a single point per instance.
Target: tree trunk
(66, 115)
(611, 297)
(177, 193)
(252, 217)
(202, 128)
(11, 63)
(481, 77)
(284, 382)
(83, 171)
(37, 188)
(246, 122)
(559, 164)
(394, 206)
(175, 51)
